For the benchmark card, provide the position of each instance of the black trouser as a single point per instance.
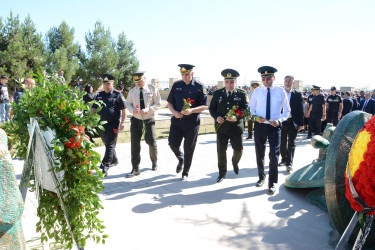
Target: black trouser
(136, 131)
(186, 129)
(222, 145)
(333, 117)
(109, 138)
(315, 123)
(288, 144)
(262, 132)
(250, 128)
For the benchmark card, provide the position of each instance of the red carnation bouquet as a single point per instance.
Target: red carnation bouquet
(234, 113)
(187, 104)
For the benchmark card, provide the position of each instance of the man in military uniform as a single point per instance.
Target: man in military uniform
(143, 101)
(270, 103)
(292, 125)
(250, 123)
(229, 129)
(185, 123)
(111, 112)
(316, 112)
(334, 107)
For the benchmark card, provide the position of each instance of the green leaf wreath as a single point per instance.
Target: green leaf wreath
(61, 109)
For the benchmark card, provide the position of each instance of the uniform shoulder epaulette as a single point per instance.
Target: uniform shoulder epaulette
(151, 86)
(132, 88)
(117, 91)
(199, 82)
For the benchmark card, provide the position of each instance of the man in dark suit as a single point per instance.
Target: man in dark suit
(292, 125)
(347, 104)
(228, 128)
(369, 104)
(361, 99)
(355, 102)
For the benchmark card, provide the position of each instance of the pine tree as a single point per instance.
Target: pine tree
(21, 49)
(101, 56)
(128, 62)
(62, 51)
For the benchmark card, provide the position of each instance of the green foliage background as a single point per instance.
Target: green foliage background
(23, 51)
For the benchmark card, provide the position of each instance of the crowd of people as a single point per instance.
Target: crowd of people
(278, 114)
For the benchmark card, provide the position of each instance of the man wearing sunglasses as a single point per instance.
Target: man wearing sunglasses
(267, 102)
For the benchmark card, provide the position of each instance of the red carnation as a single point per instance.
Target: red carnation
(114, 131)
(192, 102)
(188, 100)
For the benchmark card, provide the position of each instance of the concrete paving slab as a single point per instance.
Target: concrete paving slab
(156, 210)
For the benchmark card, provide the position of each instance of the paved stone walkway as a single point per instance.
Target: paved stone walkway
(158, 211)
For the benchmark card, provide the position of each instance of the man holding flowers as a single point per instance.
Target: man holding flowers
(267, 102)
(113, 109)
(186, 100)
(143, 101)
(226, 108)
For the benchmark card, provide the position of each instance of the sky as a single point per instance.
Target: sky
(321, 42)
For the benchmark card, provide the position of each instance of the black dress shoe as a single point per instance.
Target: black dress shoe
(260, 183)
(289, 168)
(154, 167)
(235, 169)
(179, 167)
(105, 171)
(184, 178)
(133, 173)
(220, 178)
(272, 189)
(308, 137)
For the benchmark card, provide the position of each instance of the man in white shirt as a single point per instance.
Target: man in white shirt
(143, 101)
(267, 102)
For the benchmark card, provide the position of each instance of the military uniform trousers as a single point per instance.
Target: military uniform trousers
(333, 117)
(186, 129)
(288, 141)
(137, 127)
(315, 123)
(109, 138)
(222, 144)
(250, 128)
(262, 132)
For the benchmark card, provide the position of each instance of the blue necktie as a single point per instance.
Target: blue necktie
(268, 107)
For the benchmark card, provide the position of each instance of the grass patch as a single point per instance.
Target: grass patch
(124, 137)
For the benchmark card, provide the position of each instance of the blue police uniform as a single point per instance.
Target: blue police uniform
(188, 126)
(333, 109)
(315, 120)
(111, 112)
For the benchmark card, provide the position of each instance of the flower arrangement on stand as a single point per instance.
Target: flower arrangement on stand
(360, 177)
(57, 107)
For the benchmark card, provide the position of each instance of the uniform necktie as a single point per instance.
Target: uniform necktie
(141, 101)
(229, 94)
(268, 107)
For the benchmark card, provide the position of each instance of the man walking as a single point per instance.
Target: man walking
(112, 110)
(185, 122)
(222, 101)
(292, 125)
(143, 101)
(267, 102)
(334, 107)
(316, 112)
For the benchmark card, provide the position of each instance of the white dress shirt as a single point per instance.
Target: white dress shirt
(289, 94)
(279, 101)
